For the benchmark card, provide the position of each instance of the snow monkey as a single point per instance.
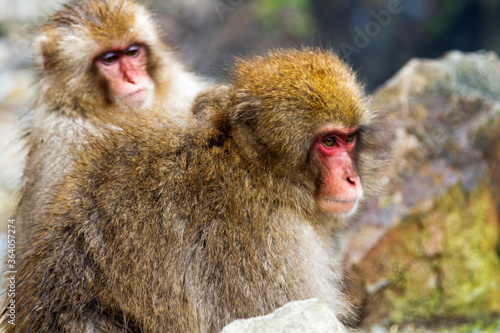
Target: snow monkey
(98, 61)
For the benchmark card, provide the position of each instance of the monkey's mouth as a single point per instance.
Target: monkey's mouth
(134, 93)
(341, 200)
(338, 206)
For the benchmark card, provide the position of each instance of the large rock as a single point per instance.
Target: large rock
(427, 249)
(300, 316)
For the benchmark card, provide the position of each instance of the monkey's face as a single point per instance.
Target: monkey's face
(125, 72)
(340, 186)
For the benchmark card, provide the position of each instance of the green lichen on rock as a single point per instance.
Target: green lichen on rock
(471, 282)
(443, 264)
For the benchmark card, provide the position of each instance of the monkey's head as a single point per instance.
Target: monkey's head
(101, 53)
(304, 116)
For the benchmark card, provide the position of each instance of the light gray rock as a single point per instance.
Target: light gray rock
(306, 316)
(428, 247)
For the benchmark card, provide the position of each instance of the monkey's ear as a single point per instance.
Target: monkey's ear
(247, 107)
(45, 57)
(217, 97)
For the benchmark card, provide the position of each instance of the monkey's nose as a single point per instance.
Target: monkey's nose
(130, 79)
(352, 180)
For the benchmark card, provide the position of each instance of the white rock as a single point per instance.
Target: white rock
(306, 316)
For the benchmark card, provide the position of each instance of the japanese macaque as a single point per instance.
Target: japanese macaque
(185, 229)
(98, 61)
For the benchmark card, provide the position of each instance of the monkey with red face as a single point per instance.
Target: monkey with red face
(125, 71)
(342, 189)
(98, 61)
(184, 229)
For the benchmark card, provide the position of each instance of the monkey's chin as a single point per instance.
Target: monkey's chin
(137, 99)
(338, 206)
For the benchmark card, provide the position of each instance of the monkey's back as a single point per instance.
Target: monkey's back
(168, 229)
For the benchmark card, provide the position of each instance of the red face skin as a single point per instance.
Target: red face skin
(124, 69)
(341, 187)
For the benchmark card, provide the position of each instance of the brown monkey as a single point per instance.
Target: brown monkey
(187, 229)
(98, 61)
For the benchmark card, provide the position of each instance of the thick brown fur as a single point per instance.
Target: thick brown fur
(72, 100)
(187, 229)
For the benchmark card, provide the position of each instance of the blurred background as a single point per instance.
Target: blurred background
(437, 227)
(376, 37)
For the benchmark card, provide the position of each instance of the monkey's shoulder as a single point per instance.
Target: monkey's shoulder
(145, 152)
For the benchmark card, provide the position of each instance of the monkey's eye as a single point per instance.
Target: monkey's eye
(132, 51)
(109, 58)
(351, 137)
(329, 142)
